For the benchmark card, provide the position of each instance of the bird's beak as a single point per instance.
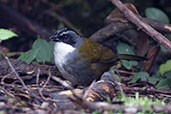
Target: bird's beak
(54, 38)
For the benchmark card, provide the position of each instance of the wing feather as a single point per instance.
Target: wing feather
(96, 52)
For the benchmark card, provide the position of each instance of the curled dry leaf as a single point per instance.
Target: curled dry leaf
(116, 15)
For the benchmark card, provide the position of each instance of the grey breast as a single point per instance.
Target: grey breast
(79, 69)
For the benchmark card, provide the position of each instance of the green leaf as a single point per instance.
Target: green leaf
(6, 34)
(124, 48)
(126, 64)
(163, 49)
(165, 67)
(29, 56)
(140, 75)
(51, 44)
(154, 79)
(168, 75)
(41, 50)
(163, 83)
(129, 64)
(45, 51)
(133, 63)
(168, 36)
(157, 14)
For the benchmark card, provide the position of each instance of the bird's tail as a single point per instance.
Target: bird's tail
(131, 57)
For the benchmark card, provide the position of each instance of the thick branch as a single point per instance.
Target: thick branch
(110, 30)
(141, 25)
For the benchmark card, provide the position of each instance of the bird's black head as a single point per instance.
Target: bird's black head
(66, 35)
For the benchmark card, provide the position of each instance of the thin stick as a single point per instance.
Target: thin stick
(49, 73)
(41, 89)
(141, 25)
(88, 90)
(16, 74)
(65, 84)
(3, 78)
(37, 77)
(125, 72)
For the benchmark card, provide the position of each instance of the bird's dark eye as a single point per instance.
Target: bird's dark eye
(65, 38)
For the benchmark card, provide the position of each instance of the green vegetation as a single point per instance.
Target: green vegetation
(157, 14)
(6, 34)
(144, 101)
(124, 48)
(88, 17)
(42, 51)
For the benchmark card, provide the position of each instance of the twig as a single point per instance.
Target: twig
(9, 54)
(141, 25)
(47, 79)
(77, 99)
(37, 83)
(3, 78)
(65, 84)
(88, 90)
(8, 93)
(37, 77)
(16, 74)
(125, 72)
(41, 89)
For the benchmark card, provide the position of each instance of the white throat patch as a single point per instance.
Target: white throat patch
(61, 50)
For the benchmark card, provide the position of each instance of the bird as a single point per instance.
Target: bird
(80, 60)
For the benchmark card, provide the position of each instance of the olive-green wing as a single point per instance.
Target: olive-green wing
(97, 52)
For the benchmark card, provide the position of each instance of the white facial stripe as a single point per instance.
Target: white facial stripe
(65, 32)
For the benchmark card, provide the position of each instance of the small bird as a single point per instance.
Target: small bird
(81, 60)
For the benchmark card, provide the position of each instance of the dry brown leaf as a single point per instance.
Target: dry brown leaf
(116, 15)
